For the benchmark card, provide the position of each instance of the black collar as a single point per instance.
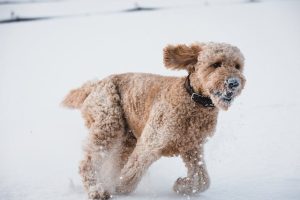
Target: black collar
(198, 98)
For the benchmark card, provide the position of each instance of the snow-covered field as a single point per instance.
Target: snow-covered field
(255, 153)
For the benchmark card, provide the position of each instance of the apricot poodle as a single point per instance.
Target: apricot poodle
(135, 118)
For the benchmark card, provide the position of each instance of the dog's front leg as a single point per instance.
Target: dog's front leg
(147, 150)
(197, 179)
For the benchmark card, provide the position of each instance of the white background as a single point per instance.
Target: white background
(255, 153)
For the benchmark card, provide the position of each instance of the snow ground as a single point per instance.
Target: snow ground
(255, 153)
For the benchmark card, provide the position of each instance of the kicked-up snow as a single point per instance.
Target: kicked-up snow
(255, 152)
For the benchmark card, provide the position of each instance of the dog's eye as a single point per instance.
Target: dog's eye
(237, 66)
(217, 64)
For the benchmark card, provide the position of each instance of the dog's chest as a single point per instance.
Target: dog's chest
(191, 131)
(199, 126)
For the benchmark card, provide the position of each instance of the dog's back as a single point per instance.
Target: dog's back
(139, 92)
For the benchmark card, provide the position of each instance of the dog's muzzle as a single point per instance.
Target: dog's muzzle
(232, 86)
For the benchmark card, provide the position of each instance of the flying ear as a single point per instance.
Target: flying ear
(181, 56)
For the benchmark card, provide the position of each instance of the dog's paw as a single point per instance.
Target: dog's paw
(183, 186)
(188, 186)
(126, 183)
(96, 194)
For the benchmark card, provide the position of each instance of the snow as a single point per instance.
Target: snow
(255, 153)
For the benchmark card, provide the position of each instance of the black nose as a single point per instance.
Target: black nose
(233, 83)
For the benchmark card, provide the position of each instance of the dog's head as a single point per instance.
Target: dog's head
(216, 69)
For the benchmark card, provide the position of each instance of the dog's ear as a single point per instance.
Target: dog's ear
(181, 56)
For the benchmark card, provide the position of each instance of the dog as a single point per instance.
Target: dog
(136, 118)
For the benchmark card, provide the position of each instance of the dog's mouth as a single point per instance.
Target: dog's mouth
(224, 99)
(227, 97)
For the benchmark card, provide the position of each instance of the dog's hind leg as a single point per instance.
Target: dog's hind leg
(104, 117)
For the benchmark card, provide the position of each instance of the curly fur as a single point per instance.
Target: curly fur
(136, 118)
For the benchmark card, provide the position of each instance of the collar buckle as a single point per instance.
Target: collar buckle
(193, 96)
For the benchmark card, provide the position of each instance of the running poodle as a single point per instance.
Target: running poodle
(134, 118)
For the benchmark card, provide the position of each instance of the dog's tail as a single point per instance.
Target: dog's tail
(76, 97)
